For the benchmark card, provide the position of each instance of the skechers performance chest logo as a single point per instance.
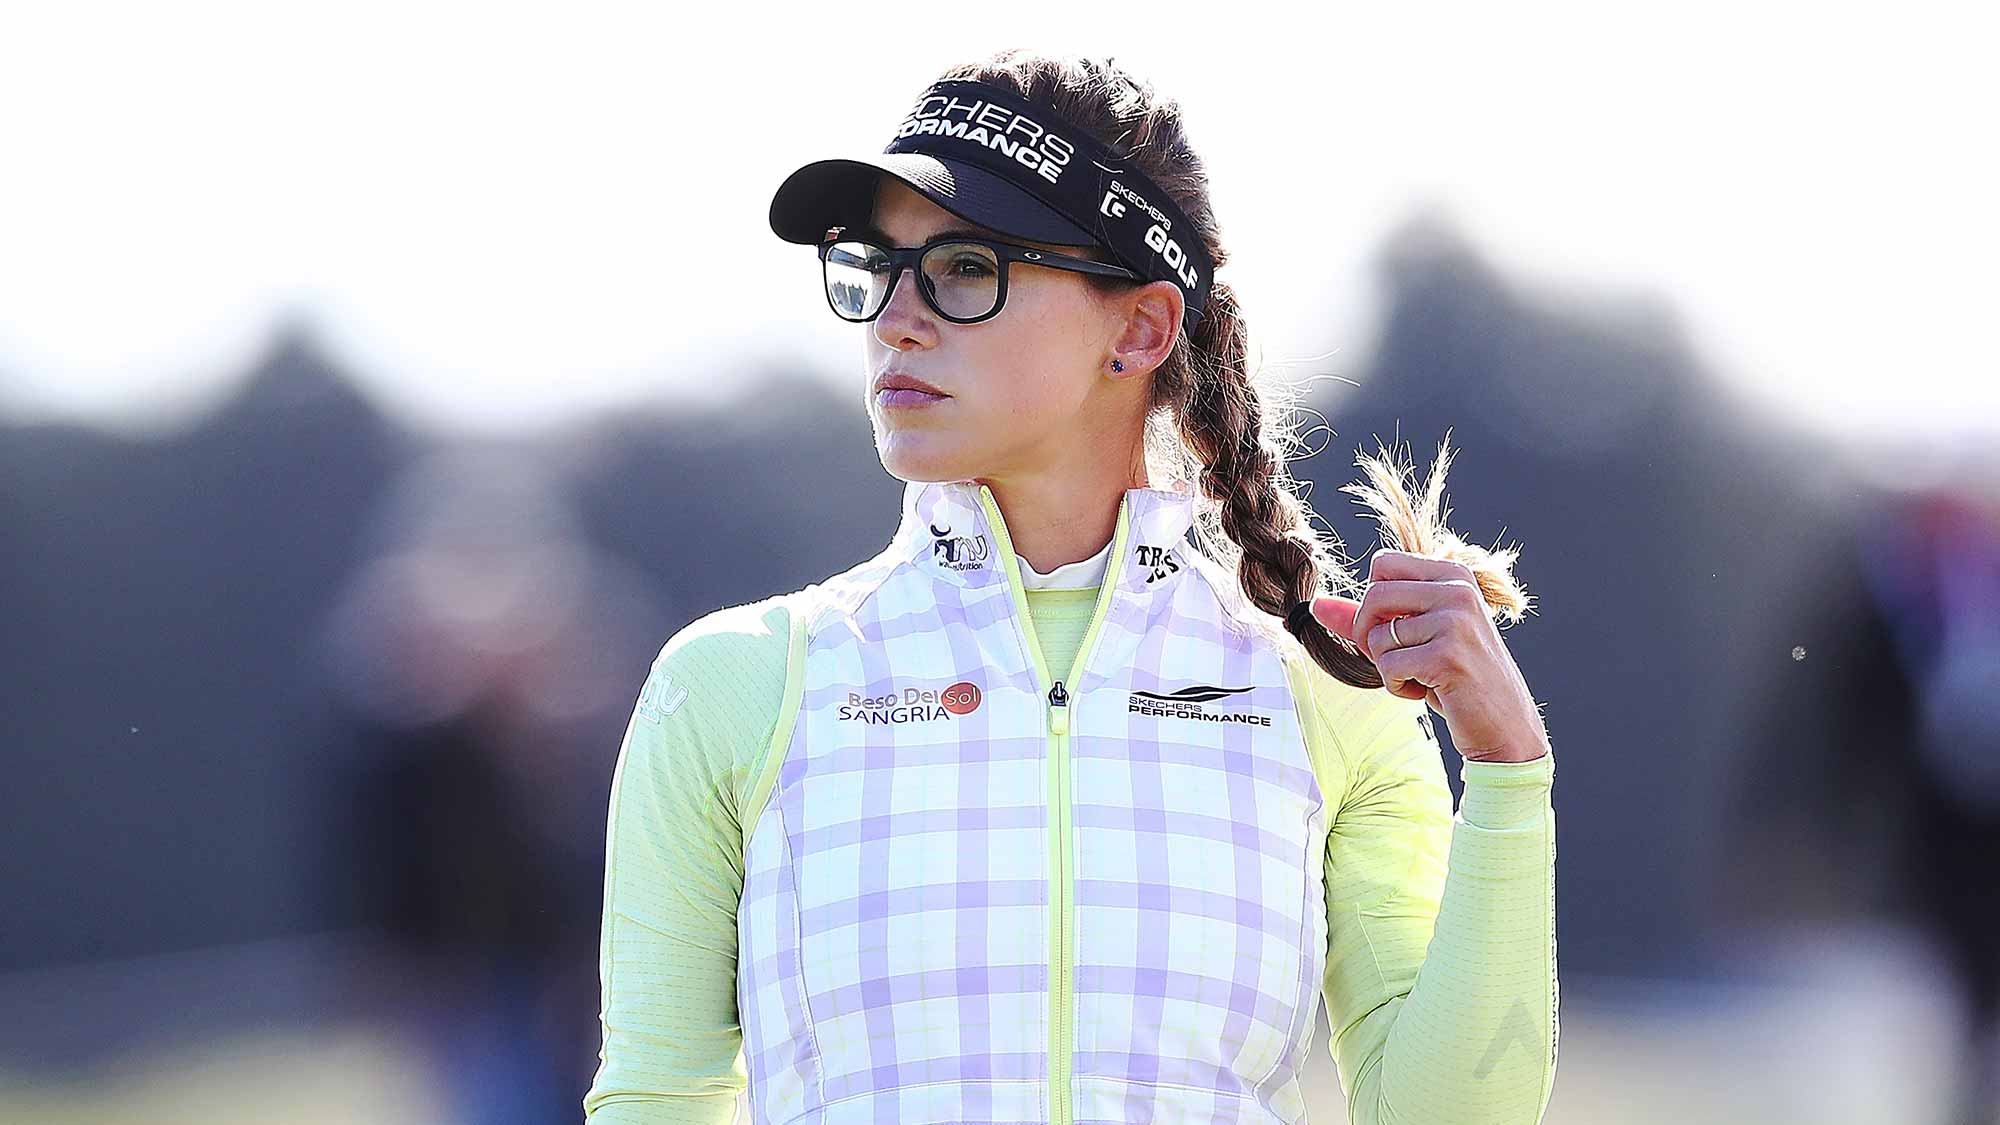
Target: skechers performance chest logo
(1189, 703)
(958, 552)
(911, 705)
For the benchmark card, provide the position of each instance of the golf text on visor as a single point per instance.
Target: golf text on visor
(1046, 157)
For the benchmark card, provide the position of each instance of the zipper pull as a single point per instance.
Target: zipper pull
(1058, 709)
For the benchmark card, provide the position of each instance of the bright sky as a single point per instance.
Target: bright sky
(499, 218)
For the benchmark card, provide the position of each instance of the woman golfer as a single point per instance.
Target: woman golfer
(1073, 803)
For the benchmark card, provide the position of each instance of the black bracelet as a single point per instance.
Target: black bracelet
(1296, 618)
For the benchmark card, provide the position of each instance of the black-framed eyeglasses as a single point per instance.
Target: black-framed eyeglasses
(963, 279)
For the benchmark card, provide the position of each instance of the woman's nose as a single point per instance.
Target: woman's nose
(905, 320)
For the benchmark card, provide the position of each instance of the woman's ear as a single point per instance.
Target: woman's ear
(1152, 319)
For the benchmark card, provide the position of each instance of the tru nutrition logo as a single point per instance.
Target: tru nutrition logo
(1188, 703)
(660, 697)
(958, 552)
(1015, 136)
(911, 705)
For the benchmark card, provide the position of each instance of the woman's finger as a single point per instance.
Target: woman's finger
(1386, 563)
(1401, 598)
(1336, 613)
(1412, 670)
(1410, 631)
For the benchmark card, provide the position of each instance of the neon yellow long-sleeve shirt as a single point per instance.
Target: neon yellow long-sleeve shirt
(1441, 980)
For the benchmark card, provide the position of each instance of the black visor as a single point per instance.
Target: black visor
(1015, 167)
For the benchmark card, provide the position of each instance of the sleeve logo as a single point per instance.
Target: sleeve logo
(660, 697)
(1424, 722)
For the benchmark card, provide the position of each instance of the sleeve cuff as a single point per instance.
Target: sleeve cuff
(1505, 794)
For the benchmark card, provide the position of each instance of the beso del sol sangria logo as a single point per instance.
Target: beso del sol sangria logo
(912, 705)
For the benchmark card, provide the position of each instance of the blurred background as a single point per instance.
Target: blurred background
(380, 387)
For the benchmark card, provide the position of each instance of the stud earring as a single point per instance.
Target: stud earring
(1117, 365)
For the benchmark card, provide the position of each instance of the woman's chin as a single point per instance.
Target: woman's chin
(921, 457)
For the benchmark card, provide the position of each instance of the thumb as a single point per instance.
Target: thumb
(1337, 614)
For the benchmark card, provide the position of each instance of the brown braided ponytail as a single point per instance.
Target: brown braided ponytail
(1211, 424)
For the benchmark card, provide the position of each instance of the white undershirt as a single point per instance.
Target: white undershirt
(1069, 576)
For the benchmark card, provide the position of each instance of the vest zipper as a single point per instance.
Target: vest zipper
(1062, 912)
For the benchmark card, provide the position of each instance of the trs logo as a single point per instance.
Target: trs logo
(1160, 561)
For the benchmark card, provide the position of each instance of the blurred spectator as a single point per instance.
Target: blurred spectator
(1934, 574)
(1874, 784)
(467, 655)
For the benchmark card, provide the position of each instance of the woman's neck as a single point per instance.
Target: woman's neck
(1056, 519)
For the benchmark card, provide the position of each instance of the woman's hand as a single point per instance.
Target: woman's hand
(1451, 655)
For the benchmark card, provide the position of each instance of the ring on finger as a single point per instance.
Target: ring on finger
(1392, 633)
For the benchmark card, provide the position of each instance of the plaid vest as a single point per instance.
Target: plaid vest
(985, 891)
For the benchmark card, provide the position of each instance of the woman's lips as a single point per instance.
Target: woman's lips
(903, 397)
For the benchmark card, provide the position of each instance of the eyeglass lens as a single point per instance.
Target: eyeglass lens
(963, 279)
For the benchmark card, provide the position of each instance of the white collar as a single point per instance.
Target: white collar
(1078, 575)
(957, 529)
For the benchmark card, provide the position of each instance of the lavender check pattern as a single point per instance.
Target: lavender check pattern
(894, 929)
